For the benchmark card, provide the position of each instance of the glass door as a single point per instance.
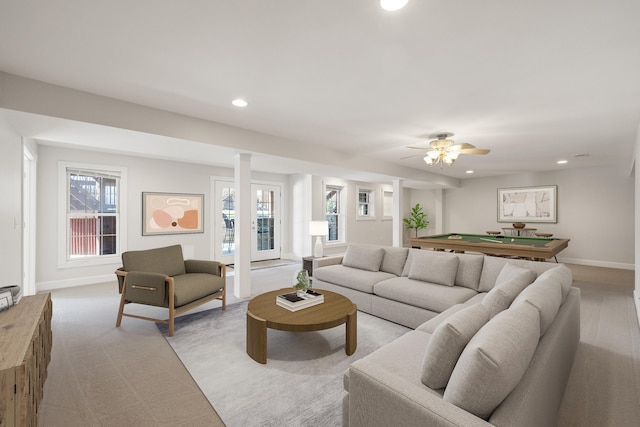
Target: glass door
(265, 222)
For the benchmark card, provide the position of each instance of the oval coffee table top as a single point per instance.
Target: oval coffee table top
(332, 312)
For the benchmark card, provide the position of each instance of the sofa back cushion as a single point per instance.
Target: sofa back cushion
(510, 282)
(364, 257)
(469, 270)
(494, 361)
(448, 341)
(394, 260)
(561, 274)
(545, 295)
(167, 260)
(433, 267)
(493, 266)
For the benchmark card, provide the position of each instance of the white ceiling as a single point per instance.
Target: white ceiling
(534, 82)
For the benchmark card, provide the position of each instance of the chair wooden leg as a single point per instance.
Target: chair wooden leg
(172, 307)
(122, 302)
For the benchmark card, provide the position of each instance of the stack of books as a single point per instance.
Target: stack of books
(293, 302)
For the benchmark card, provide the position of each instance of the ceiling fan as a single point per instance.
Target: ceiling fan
(444, 151)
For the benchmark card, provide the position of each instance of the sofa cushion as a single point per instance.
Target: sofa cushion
(562, 274)
(493, 266)
(469, 270)
(409, 261)
(354, 278)
(429, 296)
(507, 288)
(394, 259)
(167, 260)
(494, 361)
(364, 257)
(448, 341)
(545, 295)
(433, 267)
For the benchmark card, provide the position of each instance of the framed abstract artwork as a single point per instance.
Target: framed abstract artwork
(528, 204)
(172, 213)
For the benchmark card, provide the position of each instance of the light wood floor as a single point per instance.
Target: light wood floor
(100, 375)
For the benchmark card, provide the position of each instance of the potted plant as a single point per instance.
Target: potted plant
(301, 282)
(417, 220)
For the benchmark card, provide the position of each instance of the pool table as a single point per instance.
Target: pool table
(525, 247)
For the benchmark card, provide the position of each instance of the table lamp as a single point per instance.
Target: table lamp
(318, 229)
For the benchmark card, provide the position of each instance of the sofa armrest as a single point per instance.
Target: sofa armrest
(147, 288)
(202, 266)
(327, 260)
(378, 397)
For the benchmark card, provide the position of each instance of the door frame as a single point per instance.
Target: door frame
(217, 223)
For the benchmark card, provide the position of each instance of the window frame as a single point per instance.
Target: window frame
(340, 214)
(370, 203)
(64, 258)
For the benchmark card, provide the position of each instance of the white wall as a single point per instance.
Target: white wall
(11, 207)
(143, 175)
(595, 211)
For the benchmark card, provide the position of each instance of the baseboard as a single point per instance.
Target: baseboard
(593, 263)
(636, 298)
(70, 283)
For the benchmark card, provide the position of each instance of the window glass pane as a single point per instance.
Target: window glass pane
(332, 209)
(266, 214)
(229, 218)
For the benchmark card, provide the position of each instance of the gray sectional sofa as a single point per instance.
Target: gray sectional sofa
(493, 340)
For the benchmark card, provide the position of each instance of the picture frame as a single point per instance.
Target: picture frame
(172, 213)
(528, 204)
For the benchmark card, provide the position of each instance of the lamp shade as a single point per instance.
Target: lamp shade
(319, 228)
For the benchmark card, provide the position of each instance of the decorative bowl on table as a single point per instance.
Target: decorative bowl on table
(519, 225)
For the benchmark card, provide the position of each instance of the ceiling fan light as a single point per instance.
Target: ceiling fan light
(433, 154)
(392, 5)
(453, 155)
(448, 161)
(428, 160)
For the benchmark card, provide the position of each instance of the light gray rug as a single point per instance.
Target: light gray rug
(301, 384)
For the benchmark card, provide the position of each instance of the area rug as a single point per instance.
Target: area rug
(301, 384)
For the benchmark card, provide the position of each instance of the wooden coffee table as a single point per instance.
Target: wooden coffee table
(263, 313)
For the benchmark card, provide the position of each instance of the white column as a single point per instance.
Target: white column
(439, 210)
(243, 226)
(398, 227)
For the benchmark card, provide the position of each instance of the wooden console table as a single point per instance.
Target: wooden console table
(25, 352)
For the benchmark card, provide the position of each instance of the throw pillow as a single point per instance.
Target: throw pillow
(394, 260)
(545, 295)
(510, 271)
(562, 274)
(469, 270)
(432, 267)
(364, 257)
(409, 261)
(503, 293)
(494, 361)
(448, 341)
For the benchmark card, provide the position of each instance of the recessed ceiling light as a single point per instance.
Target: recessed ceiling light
(562, 162)
(239, 102)
(469, 172)
(392, 5)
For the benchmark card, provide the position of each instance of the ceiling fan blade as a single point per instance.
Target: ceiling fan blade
(474, 151)
(460, 147)
(415, 155)
(419, 148)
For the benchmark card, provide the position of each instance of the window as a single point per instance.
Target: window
(92, 211)
(366, 204)
(334, 213)
(387, 205)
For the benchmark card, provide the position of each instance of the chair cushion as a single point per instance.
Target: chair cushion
(364, 257)
(167, 260)
(433, 267)
(494, 361)
(394, 259)
(193, 286)
(448, 341)
(508, 288)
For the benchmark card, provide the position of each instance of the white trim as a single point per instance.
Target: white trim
(607, 264)
(79, 281)
(636, 298)
(121, 244)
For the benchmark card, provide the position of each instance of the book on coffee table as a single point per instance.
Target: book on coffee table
(294, 302)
